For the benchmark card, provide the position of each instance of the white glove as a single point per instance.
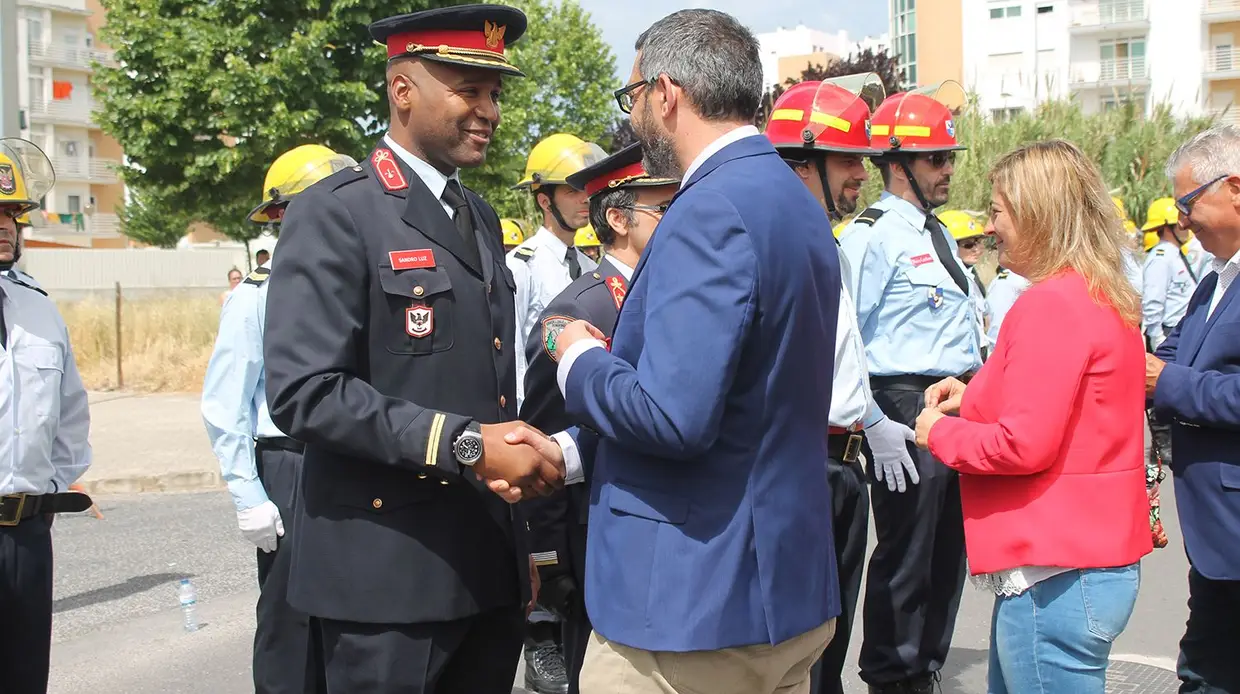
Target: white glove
(261, 525)
(889, 441)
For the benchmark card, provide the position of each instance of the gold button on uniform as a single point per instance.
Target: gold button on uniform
(444, 482)
(498, 344)
(418, 291)
(377, 503)
(421, 476)
(503, 401)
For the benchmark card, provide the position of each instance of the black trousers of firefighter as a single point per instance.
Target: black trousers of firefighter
(287, 643)
(917, 569)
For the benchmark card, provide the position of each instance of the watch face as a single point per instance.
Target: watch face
(469, 448)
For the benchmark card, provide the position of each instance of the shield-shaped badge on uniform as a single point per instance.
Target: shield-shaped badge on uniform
(551, 328)
(8, 182)
(419, 321)
(951, 128)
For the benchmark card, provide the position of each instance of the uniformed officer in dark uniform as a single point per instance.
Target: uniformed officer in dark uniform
(625, 206)
(387, 354)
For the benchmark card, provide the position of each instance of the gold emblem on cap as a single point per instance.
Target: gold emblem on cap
(493, 32)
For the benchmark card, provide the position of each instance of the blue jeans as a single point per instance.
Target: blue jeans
(1057, 636)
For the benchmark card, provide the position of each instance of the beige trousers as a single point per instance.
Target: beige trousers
(612, 668)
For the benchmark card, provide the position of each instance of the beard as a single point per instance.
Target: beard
(658, 154)
(845, 205)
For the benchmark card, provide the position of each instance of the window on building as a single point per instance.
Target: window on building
(37, 82)
(996, 13)
(75, 204)
(1223, 57)
(1013, 11)
(1046, 9)
(1110, 102)
(34, 30)
(1003, 115)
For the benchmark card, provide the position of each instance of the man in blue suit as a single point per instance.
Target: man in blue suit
(1194, 379)
(710, 565)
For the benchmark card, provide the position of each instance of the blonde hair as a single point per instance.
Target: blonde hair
(1065, 219)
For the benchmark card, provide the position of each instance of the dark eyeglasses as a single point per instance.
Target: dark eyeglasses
(660, 209)
(625, 95)
(940, 159)
(1185, 204)
(970, 244)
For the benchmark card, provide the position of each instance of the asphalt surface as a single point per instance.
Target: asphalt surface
(117, 626)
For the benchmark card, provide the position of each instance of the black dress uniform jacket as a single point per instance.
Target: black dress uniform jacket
(557, 524)
(378, 363)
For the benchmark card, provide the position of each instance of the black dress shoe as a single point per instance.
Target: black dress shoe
(544, 669)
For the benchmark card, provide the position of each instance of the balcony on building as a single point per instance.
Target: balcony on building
(1220, 11)
(1108, 16)
(64, 56)
(94, 170)
(1222, 63)
(71, 111)
(1111, 73)
(73, 229)
(1225, 116)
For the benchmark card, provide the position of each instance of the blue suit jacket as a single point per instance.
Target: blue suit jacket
(710, 518)
(1199, 390)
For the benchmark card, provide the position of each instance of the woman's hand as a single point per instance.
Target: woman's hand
(945, 396)
(925, 421)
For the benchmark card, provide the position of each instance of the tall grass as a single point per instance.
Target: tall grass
(166, 341)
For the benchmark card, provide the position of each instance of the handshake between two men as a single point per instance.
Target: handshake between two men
(519, 461)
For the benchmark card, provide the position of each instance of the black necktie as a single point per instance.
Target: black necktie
(574, 267)
(944, 252)
(455, 198)
(4, 329)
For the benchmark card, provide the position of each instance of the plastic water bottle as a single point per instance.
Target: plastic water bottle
(189, 602)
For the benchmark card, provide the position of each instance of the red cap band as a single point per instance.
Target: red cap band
(398, 44)
(604, 181)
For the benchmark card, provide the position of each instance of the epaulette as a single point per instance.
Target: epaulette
(21, 283)
(524, 253)
(587, 282)
(259, 276)
(1003, 274)
(344, 177)
(869, 216)
(1160, 251)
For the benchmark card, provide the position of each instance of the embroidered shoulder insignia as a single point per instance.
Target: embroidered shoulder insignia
(551, 328)
(619, 289)
(258, 276)
(389, 171)
(869, 216)
(524, 253)
(1160, 251)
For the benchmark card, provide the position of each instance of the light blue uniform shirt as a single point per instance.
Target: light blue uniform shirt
(234, 398)
(1166, 288)
(914, 318)
(1003, 291)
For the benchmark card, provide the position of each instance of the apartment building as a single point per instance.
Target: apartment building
(57, 50)
(1102, 53)
(1220, 20)
(926, 38)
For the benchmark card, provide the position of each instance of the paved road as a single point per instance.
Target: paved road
(117, 626)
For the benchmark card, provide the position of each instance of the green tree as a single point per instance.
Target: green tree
(570, 77)
(886, 66)
(152, 221)
(206, 95)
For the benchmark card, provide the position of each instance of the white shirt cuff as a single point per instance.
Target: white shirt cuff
(566, 365)
(573, 474)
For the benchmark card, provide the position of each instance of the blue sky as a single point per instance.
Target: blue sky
(623, 20)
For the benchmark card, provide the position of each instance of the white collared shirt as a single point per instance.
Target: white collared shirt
(1226, 270)
(44, 416)
(434, 179)
(852, 401)
(539, 278)
(625, 271)
(735, 135)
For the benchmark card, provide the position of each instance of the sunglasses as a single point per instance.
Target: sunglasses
(1185, 204)
(970, 244)
(940, 159)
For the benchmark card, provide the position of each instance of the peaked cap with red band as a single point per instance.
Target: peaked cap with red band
(621, 170)
(469, 35)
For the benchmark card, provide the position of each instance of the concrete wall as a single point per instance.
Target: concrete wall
(72, 273)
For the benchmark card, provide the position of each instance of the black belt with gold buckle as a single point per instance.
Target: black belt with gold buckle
(845, 447)
(15, 508)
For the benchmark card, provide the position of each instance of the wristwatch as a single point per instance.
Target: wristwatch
(468, 446)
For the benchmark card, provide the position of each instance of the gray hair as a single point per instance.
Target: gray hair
(1210, 154)
(711, 56)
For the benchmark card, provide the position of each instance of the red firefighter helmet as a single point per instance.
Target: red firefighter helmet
(919, 120)
(828, 116)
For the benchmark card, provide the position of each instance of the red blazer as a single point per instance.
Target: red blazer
(1049, 442)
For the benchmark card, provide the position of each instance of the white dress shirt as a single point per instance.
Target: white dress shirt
(852, 401)
(539, 278)
(434, 179)
(1226, 270)
(44, 444)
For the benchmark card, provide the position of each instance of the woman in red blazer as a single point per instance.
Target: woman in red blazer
(1049, 441)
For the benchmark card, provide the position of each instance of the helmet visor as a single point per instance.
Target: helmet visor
(30, 175)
